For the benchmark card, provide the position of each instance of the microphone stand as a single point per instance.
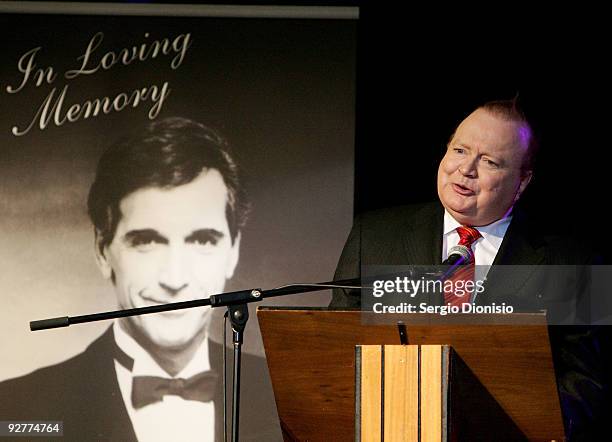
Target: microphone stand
(237, 305)
(239, 315)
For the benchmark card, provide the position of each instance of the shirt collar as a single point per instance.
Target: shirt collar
(496, 229)
(145, 365)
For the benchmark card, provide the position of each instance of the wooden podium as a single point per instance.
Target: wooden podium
(501, 383)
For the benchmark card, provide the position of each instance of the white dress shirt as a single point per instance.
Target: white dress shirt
(485, 248)
(173, 419)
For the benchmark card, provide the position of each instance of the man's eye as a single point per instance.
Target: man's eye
(458, 150)
(491, 164)
(204, 242)
(144, 244)
(205, 239)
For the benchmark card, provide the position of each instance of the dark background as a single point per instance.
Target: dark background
(420, 72)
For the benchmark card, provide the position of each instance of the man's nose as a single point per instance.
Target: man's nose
(173, 276)
(468, 167)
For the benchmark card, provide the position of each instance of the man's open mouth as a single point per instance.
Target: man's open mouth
(462, 190)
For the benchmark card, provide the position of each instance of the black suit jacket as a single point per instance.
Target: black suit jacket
(412, 235)
(83, 392)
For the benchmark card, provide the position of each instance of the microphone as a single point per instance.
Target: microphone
(458, 255)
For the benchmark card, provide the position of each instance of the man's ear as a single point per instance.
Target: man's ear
(232, 260)
(101, 256)
(525, 180)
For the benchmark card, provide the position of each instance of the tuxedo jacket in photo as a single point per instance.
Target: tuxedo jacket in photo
(84, 393)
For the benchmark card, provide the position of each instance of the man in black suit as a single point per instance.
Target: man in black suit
(168, 209)
(487, 166)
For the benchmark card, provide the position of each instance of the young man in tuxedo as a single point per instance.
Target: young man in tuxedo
(167, 210)
(487, 166)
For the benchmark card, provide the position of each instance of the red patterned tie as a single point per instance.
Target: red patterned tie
(467, 237)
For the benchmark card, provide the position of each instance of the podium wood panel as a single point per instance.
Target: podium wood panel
(401, 394)
(311, 357)
(431, 393)
(371, 380)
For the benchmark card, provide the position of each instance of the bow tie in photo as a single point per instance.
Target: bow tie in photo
(150, 389)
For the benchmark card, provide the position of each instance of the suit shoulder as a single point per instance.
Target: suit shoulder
(22, 396)
(568, 250)
(29, 395)
(41, 376)
(561, 248)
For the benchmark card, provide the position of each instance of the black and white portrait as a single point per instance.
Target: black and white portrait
(155, 159)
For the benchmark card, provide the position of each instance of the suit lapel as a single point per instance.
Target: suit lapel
(423, 236)
(423, 243)
(515, 262)
(103, 406)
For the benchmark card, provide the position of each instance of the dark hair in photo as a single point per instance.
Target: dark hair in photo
(168, 153)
